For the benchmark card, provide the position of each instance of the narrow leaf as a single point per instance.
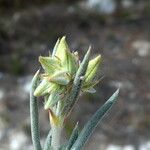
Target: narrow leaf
(73, 137)
(76, 85)
(34, 114)
(93, 122)
(55, 120)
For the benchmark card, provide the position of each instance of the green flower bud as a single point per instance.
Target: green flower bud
(61, 52)
(92, 69)
(72, 63)
(68, 60)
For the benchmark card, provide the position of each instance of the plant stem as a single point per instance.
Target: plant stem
(34, 114)
(56, 135)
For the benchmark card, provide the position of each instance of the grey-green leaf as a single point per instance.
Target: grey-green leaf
(34, 114)
(93, 122)
(76, 84)
(73, 137)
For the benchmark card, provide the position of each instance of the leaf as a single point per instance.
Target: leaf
(73, 137)
(34, 115)
(47, 144)
(43, 88)
(77, 83)
(50, 65)
(90, 90)
(93, 122)
(89, 87)
(55, 120)
(60, 77)
(55, 48)
(53, 98)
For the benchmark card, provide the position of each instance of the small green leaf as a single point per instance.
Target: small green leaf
(55, 48)
(90, 90)
(60, 77)
(43, 88)
(53, 98)
(50, 65)
(93, 122)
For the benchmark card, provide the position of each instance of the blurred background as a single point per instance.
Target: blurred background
(117, 29)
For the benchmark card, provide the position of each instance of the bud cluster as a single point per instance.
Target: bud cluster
(63, 79)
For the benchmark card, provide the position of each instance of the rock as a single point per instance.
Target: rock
(17, 140)
(142, 47)
(101, 6)
(114, 147)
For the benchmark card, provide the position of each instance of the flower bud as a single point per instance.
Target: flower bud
(67, 59)
(61, 51)
(72, 64)
(92, 69)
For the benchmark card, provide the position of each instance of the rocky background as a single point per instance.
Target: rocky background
(118, 30)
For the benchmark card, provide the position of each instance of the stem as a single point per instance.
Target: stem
(56, 135)
(34, 114)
